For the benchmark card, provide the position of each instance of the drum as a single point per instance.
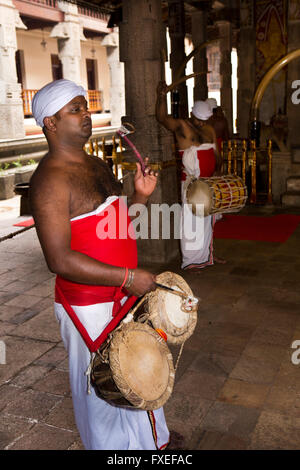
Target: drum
(133, 368)
(174, 314)
(217, 194)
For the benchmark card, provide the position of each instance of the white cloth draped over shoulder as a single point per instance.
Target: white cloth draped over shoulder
(190, 159)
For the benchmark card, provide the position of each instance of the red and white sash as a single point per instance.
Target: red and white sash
(198, 161)
(118, 250)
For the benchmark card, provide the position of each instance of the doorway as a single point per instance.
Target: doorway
(20, 67)
(57, 72)
(91, 68)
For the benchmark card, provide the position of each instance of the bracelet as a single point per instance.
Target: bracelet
(130, 278)
(125, 278)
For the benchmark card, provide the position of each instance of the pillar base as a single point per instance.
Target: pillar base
(11, 111)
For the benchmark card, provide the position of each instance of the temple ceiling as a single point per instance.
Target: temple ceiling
(215, 9)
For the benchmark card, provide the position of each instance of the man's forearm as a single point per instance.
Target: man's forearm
(161, 108)
(138, 199)
(80, 268)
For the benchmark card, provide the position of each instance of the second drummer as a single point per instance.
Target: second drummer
(71, 193)
(197, 144)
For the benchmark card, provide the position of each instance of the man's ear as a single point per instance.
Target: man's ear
(50, 124)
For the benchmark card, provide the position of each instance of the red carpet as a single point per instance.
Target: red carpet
(25, 223)
(277, 228)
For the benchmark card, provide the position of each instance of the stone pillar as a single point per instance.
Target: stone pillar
(176, 23)
(225, 44)
(11, 104)
(117, 81)
(200, 60)
(293, 109)
(69, 33)
(246, 68)
(142, 37)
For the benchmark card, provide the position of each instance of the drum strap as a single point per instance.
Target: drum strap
(94, 345)
(117, 317)
(179, 356)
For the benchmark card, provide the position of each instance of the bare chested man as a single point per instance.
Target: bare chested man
(197, 146)
(219, 122)
(69, 194)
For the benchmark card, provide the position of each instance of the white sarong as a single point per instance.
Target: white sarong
(103, 426)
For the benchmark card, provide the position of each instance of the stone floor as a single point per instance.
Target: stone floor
(236, 386)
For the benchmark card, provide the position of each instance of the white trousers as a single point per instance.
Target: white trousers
(196, 239)
(103, 426)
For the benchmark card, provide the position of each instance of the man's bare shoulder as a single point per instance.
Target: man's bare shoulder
(171, 123)
(49, 181)
(182, 125)
(47, 171)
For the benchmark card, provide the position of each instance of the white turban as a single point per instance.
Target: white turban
(52, 97)
(202, 110)
(212, 102)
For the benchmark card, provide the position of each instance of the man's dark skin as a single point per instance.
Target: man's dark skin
(188, 132)
(219, 122)
(68, 183)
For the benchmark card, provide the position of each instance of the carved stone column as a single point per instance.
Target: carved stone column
(69, 33)
(176, 23)
(142, 37)
(11, 104)
(117, 81)
(200, 60)
(246, 67)
(225, 44)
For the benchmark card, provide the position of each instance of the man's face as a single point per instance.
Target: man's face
(197, 122)
(74, 120)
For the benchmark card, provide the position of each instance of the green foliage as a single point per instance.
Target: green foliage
(17, 163)
(4, 167)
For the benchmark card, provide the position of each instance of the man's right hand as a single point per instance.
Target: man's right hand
(143, 283)
(161, 89)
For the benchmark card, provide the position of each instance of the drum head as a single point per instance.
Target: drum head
(199, 193)
(141, 366)
(167, 310)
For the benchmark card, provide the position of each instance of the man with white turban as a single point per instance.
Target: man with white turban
(97, 278)
(197, 146)
(212, 103)
(52, 97)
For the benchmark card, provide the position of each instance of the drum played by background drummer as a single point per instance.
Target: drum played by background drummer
(197, 145)
(69, 193)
